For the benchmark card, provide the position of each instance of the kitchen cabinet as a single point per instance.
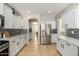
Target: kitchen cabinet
(54, 37)
(17, 22)
(16, 44)
(13, 46)
(66, 48)
(1, 8)
(64, 20)
(25, 39)
(21, 42)
(70, 19)
(70, 50)
(11, 20)
(24, 24)
(59, 45)
(7, 12)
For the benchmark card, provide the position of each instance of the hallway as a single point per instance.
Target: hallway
(34, 49)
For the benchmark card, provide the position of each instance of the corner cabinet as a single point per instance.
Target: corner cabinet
(66, 49)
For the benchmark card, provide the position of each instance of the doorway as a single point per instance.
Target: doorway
(33, 30)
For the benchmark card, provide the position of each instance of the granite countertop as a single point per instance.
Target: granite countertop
(70, 40)
(8, 39)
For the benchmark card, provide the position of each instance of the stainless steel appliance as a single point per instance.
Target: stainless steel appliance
(45, 33)
(72, 33)
(1, 21)
(4, 48)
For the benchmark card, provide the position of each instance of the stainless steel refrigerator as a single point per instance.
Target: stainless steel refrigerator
(45, 34)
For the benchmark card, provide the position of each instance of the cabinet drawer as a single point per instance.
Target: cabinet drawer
(70, 49)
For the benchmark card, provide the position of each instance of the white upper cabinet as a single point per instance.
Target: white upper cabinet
(77, 17)
(11, 20)
(23, 22)
(0, 9)
(70, 19)
(7, 12)
(17, 22)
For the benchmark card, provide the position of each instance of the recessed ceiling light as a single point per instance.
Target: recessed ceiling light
(28, 11)
(49, 11)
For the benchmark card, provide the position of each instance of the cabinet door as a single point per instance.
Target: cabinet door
(21, 42)
(7, 12)
(71, 18)
(59, 46)
(54, 37)
(70, 50)
(12, 47)
(1, 8)
(15, 21)
(77, 17)
(19, 22)
(18, 44)
(64, 21)
(68, 19)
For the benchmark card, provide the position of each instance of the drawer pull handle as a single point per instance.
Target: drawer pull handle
(68, 44)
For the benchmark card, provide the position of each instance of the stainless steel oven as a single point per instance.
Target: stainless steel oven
(4, 48)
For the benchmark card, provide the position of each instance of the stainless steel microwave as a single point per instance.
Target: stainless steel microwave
(73, 33)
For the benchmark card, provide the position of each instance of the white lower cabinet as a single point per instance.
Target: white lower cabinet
(59, 45)
(54, 37)
(16, 44)
(66, 49)
(25, 39)
(70, 50)
(13, 45)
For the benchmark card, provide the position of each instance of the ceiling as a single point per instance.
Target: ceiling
(39, 8)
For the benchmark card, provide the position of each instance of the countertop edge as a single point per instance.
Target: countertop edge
(65, 39)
